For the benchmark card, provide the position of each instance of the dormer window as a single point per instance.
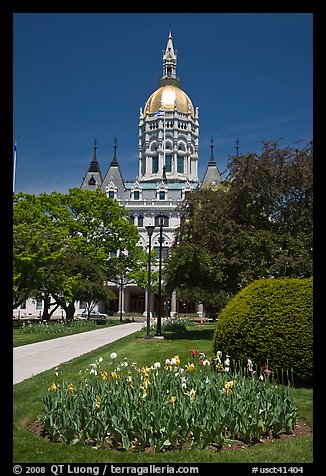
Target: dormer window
(111, 194)
(136, 195)
(162, 195)
(92, 181)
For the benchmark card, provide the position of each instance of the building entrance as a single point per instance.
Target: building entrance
(137, 303)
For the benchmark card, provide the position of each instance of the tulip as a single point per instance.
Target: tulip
(190, 367)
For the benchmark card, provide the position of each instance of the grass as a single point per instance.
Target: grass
(37, 332)
(28, 396)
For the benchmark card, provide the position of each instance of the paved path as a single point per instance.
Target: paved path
(32, 359)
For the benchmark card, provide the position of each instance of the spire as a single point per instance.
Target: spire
(113, 177)
(169, 64)
(114, 161)
(212, 159)
(212, 174)
(94, 166)
(93, 175)
(237, 147)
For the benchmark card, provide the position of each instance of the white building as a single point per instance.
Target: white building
(168, 169)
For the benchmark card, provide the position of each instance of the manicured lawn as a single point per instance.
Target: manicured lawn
(31, 333)
(28, 396)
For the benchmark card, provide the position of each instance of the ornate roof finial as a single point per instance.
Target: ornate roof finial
(95, 147)
(169, 75)
(115, 160)
(237, 147)
(212, 159)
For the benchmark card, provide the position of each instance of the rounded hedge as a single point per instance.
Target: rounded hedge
(270, 320)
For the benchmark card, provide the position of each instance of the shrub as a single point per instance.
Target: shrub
(174, 324)
(270, 321)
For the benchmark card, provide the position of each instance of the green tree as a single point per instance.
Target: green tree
(255, 224)
(79, 278)
(58, 238)
(39, 237)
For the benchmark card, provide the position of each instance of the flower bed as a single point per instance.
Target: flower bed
(166, 405)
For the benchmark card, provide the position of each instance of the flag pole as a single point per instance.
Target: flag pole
(15, 160)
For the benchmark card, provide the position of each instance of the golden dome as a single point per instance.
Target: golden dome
(167, 97)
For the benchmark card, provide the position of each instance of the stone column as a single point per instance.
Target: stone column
(146, 301)
(121, 300)
(173, 311)
(199, 309)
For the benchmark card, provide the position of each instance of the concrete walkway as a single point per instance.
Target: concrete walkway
(32, 359)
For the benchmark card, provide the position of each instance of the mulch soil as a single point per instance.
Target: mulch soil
(301, 429)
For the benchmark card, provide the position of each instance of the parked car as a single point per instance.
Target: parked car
(95, 314)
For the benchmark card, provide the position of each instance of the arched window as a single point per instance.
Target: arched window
(140, 221)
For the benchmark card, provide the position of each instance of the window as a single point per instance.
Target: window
(39, 304)
(168, 163)
(140, 220)
(111, 194)
(136, 195)
(165, 251)
(162, 195)
(132, 219)
(158, 220)
(180, 165)
(155, 165)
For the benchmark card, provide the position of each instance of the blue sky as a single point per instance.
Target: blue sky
(81, 76)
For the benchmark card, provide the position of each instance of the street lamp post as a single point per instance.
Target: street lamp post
(159, 322)
(120, 299)
(150, 230)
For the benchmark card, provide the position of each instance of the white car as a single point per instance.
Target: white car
(94, 314)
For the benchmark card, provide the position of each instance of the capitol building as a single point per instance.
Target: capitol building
(168, 154)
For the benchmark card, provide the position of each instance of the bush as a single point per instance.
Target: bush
(174, 324)
(271, 320)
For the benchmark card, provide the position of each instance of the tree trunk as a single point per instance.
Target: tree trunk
(46, 315)
(46, 308)
(70, 311)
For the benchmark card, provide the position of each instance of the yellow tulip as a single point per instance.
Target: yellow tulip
(190, 367)
(173, 400)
